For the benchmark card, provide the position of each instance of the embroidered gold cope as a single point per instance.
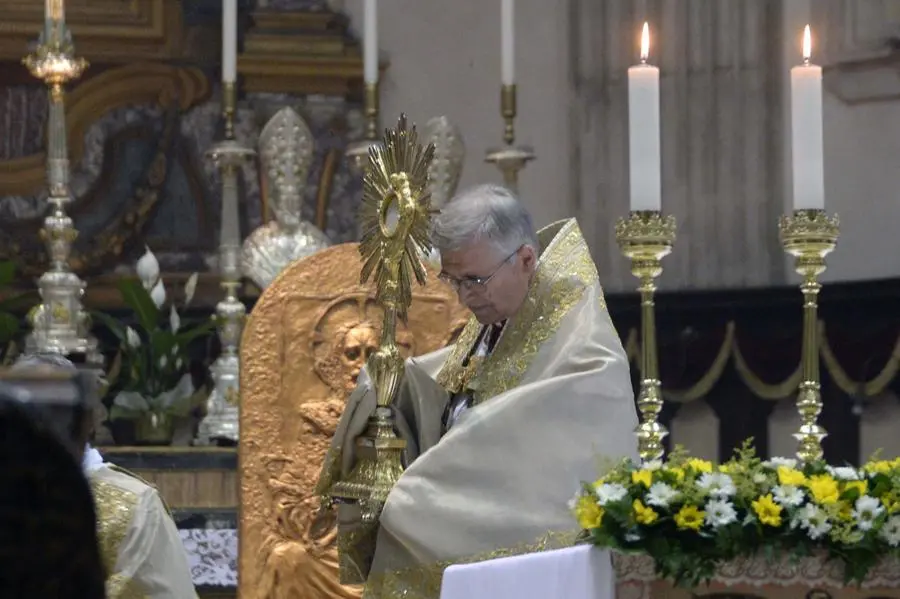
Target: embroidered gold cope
(142, 552)
(552, 398)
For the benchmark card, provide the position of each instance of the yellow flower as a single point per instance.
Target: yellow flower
(727, 468)
(698, 465)
(768, 512)
(861, 485)
(588, 513)
(643, 514)
(845, 511)
(879, 467)
(891, 502)
(689, 518)
(823, 489)
(678, 473)
(791, 476)
(643, 477)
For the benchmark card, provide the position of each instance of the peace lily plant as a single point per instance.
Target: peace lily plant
(152, 365)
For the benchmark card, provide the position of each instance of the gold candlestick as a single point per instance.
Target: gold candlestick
(510, 159)
(645, 238)
(358, 151)
(809, 236)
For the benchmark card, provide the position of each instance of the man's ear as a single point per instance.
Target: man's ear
(528, 257)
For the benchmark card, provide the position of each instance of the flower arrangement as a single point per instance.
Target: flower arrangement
(152, 361)
(689, 515)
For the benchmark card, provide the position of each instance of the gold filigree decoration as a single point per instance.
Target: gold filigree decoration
(115, 511)
(119, 586)
(424, 582)
(395, 216)
(565, 271)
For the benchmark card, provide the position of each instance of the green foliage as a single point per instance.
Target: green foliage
(690, 515)
(10, 323)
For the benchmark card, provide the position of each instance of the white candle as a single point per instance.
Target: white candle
(370, 41)
(643, 131)
(54, 10)
(508, 42)
(806, 132)
(229, 41)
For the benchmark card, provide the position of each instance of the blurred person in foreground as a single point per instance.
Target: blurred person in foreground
(48, 529)
(502, 426)
(141, 549)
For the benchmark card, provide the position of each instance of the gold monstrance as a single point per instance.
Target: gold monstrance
(396, 222)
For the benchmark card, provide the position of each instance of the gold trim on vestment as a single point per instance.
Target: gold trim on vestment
(424, 581)
(565, 271)
(115, 512)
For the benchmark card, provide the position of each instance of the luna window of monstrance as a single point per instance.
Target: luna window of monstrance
(286, 154)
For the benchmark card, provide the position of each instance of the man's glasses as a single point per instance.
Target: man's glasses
(475, 283)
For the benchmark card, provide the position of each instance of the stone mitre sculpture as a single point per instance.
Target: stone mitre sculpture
(286, 154)
(446, 168)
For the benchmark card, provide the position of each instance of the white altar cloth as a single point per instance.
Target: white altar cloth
(581, 572)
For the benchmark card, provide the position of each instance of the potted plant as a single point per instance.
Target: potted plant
(10, 305)
(152, 364)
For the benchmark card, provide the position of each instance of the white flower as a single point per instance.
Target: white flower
(717, 484)
(813, 520)
(652, 465)
(787, 495)
(132, 338)
(843, 472)
(158, 294)
(866, 510)
(720, 512)
(571, 503)
(178, 363)
(190, 288)
(890, 532)
(174, 319)
(148, 269)
(661, 495)
(759, 478)
(774, 463)
(163, 360)
(607, 493)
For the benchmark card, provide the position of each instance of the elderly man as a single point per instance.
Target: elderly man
(141, 549)
(502, 426)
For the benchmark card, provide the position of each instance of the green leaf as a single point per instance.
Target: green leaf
(138, 299)
(7, 272)
(187, 334)
(113, 324)
(120, 413)
(20, 302)
(9, 326)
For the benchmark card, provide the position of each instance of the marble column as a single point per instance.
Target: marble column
(722, 129)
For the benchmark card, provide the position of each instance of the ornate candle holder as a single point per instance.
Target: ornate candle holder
(645, 238)
(222, 407)
(59, 324)
(809, 236)
(358, 151)
(510, 159)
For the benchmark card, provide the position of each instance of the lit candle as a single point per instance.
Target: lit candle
(370, 41)
(806, 132)
(229, 41)
(643, 131)
(508, 42)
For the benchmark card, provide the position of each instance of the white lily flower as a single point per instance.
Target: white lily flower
(190, 288)
(163, 360)
(174, 319)
(132, 338)
(148, 269)
(158, 294)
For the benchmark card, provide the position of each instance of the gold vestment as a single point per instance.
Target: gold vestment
(552, 398)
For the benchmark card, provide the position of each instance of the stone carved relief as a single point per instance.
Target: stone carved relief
(304, 344)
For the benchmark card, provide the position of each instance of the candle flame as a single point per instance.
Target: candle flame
(807, 44)
(645, 42)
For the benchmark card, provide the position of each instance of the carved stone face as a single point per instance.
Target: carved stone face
(359, 343)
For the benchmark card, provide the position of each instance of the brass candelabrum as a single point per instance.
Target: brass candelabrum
(509, 158)
(223, 405)
(358, 151)
(809, 236)
(396, 220)
(646, 237)
(59, 323)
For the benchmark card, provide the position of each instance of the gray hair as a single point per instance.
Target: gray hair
(485, 213)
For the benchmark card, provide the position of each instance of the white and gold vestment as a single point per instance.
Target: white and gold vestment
(142, 551)
(552, 397)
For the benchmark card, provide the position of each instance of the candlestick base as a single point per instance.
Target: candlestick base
(510, 160)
